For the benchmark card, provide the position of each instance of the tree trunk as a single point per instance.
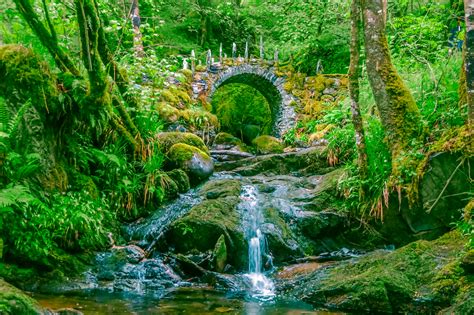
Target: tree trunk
(398, 111)
(137, 35)
(49, 40)
(469, 57)
(354, 74)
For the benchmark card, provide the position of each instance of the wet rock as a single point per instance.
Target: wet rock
(132, 253)
(268, 145)
(330, 91)
(297, 270)
(14, 301)
(447, 176)
(417, 277)
(314, 225)
(226, 141)
(280, 238)
(200, 229)
(181, 179)
(68, 311)
(221, 188)
(220, 254)
(196, 163)
(306, 161)
(443, 191)
(106, 275)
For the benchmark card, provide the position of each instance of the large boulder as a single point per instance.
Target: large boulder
(306, 162)
(267, 145)
(168, 139)
(422, 277)
(196, 163)
(443, 192)
(181, 179)
(200, 229)
(13, 301)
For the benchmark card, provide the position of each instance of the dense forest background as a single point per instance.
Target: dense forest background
(78, 105)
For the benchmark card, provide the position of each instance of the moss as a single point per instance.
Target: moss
(188, 74)
(201, 68)
(221, 188)
(169, 97)
(169, 186)
(167, 112)
(267, 144)
(20, 67)
(220, 254)
(273, 215)
(13, 301)
(182, 152)
(168, 139)
(199, 118)
(457, 139)
(389, 282)
(201, 228)
(227, 138)
(318, 83)
(181, 179)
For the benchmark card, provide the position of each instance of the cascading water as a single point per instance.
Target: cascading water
(261, 286)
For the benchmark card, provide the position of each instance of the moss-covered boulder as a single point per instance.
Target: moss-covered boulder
(196, 163)
(267, 145)
(181, 179)
(307, 161)
(168, 139)
(13, 301)
(224, 138)
(200, 229)
(281, 240)
(441, 196)
(420, 277)
(250, 132)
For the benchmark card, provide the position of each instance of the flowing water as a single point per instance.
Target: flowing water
(261, 286)
(149, 285)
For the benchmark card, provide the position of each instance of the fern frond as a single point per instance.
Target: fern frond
(16, 120)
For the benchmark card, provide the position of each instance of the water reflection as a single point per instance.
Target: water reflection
(198, 301)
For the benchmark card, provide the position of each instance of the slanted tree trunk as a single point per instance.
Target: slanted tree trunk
(47, 38)
(354, 74)
(398, 111)
(137, 35)
(469, 57)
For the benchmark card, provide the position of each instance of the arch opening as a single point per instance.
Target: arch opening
(243, 111)
(262, 82)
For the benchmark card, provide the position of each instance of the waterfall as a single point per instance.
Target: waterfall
(261, 286)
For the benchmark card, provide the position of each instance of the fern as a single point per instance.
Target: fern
(13, 196)
(4, 117)
(14, 123)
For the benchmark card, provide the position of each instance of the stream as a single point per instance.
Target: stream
(151, 276)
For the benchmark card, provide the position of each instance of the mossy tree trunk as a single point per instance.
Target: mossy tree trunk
(96, 58)
(47, 38)
(354, 75)
(469, 57)
(101, 91)
(398, 111)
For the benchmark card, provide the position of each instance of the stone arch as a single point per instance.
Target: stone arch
(266, 82)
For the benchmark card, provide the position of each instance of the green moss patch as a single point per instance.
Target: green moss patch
(268, 144)
(168, 139)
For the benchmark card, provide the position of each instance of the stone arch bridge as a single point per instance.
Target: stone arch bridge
(262, 76)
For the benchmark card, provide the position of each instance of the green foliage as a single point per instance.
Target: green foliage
(237, 105)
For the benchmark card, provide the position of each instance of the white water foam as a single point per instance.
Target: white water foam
(262, 287)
